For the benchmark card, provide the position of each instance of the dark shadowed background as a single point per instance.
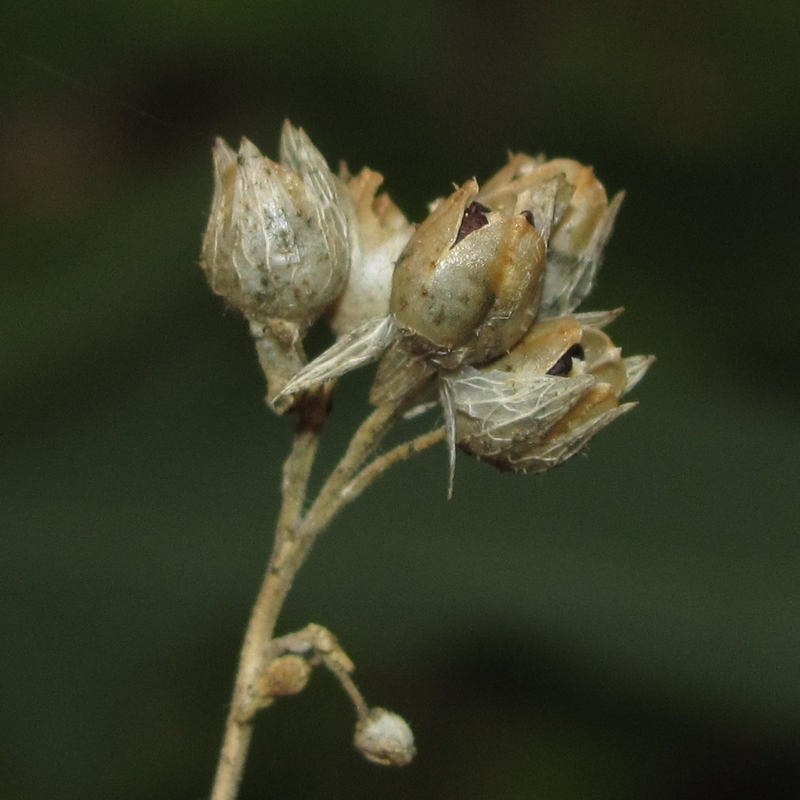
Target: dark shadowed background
(624, 627)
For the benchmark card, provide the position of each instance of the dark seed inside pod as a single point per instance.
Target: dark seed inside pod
(564, 364)
(474, 218)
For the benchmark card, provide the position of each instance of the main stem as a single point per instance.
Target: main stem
(294, 537)
(239, 725)
(274, 588)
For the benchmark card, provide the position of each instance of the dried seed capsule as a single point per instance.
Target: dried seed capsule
(277, 244)
(467, 285)
(540, 404)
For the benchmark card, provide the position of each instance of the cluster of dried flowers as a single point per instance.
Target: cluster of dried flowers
(473, 309)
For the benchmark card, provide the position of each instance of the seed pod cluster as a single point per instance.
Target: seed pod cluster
(477, 303)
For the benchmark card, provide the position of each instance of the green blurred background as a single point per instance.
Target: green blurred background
(625, 627)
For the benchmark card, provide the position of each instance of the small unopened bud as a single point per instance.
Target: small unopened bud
(385, 738)
(467, 285)
(277, 244)
(286, 675)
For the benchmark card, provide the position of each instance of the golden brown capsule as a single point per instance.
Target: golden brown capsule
(540, 404)
(467, 286)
